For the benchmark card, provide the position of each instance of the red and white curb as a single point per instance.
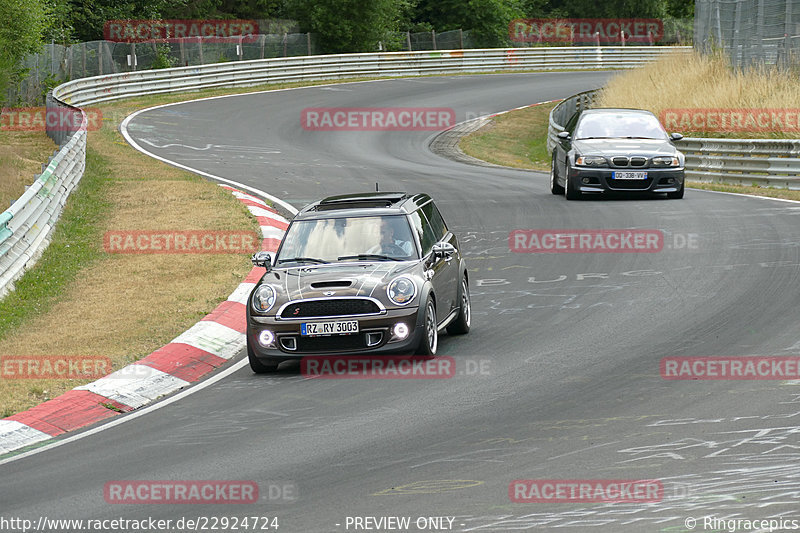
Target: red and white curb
(202, 348)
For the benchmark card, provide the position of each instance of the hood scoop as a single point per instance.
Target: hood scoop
(331, 284)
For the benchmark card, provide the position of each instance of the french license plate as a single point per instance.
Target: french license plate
(333, 327)
(629, 175)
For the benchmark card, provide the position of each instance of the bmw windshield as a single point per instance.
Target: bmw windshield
(329, 240)
(619, 125)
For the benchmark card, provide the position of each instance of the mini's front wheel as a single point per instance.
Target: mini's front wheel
(256, 364)
(430, 337)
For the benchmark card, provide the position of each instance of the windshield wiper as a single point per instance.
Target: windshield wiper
(302, 260)
(369, 256)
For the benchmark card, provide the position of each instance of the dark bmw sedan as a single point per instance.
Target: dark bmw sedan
(625, 150)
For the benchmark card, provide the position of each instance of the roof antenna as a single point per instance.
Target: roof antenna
(376, 186)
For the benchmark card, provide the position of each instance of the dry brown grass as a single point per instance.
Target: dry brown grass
(126, 306)
(21, 156)
(680, 81)
(513, 139)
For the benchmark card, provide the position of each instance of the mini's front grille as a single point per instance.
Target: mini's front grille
(332, 307)
(332, 343)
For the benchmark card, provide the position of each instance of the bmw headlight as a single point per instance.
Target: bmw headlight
(666, 161)
(263, 299)
(401, 290)
(590, 161)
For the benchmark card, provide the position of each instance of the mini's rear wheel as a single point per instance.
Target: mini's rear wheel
(461, 324)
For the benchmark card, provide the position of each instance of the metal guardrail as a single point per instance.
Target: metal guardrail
(331, 67)
(762, 162)
(26, 226)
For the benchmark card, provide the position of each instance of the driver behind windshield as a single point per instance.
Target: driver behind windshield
(392, 243)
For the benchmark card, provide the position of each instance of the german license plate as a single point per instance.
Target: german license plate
(332, 327)
(629, 175)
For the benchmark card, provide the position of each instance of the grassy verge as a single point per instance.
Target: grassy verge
(513, 139)
(21, 156)
(80, 300)
(706, 82)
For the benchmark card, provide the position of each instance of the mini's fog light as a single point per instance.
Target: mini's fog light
(586, 180)
(266, 338)
(400, 330)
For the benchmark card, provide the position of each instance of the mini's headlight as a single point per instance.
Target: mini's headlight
(401, 290)
(666, 161)
(263, 299)
(590, 161)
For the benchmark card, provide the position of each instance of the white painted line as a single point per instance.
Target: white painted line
(214, 338)
(245, 196)
(15, 435)
(259, 212)
(135, 385)
(270, 232)
(241, 293)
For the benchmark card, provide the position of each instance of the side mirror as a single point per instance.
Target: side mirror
(262, 259)
(443, 250)
(563, 135)
(675, 136)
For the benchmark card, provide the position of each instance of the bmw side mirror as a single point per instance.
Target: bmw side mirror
(675, 136)
(563, 135)
(262, 259)
(443, 250)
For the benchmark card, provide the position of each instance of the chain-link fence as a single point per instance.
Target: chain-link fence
(56, 64)
(749, 31)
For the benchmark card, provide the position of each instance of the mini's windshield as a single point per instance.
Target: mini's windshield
(381, 238)
(619, 125)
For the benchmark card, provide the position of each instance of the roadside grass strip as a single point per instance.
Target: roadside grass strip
(207, 345)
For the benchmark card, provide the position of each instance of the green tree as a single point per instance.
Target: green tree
(22, 24)
(487, 20)
(615, 9)
(344, 26)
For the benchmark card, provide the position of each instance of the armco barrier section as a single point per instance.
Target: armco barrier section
(761, 162)
(331, 67)
(25, 227)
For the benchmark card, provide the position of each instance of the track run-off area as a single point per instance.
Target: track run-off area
(559, 378)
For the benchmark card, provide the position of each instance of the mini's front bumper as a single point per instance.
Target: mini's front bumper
(375, 336)
(599, 180)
